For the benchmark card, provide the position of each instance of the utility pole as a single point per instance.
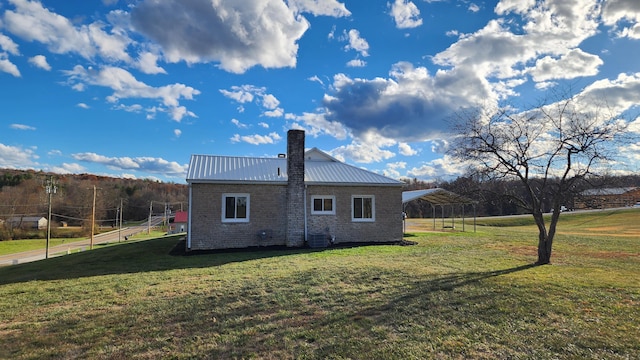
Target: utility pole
(120, 215)
(93, 217)
(149, 222)
(165, 220)
(51, 189)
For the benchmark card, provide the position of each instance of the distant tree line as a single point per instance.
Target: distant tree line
(23, 193)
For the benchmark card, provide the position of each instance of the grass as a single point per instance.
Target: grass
(452, 295)
(15, 246)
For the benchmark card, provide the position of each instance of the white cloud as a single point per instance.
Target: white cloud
(356, 42)
(356, 63)
(393, 168)
(41, 62)
(263, 125)
(315, 124)
(237, 34)
(574, 63)
(445, 167)
(634, 126)
(406, 150)
(15, 157)
(126, 86)
(474, 8)
(177, 132)
(367, 148)
(316, 79)
(498, 51)
(240, 125)
(617, 95)
(82, 105)
(271, 138)
(439, 145)
(148, 64)
(483, 67)
(625, 13)
(21, 127)
(632, 32)
(279, 112)
(32, 22)
(66, 168)
(179, 112)
(361, 153)
(320, 7)
(406, 14)
(8, 67)
(411, 105)
(270, 102)
(249, 93)
(241, 94)
(8, 45)
(516, 6)
(141, 164)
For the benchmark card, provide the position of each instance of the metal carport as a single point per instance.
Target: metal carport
(441, 197)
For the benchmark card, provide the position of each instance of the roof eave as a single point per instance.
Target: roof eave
(235, 182)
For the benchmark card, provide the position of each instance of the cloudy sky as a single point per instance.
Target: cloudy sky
(132, 88)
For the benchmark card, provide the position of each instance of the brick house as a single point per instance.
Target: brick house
(297, 199)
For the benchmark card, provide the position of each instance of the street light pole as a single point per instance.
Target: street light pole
(51, 189)
(93, 217)
(120, 213)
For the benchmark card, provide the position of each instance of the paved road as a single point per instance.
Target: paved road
(82, 245)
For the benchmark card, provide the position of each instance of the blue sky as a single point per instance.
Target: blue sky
(132, 88)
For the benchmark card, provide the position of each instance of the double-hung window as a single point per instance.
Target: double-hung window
(323, 205)
(235, 207)
(363, 208)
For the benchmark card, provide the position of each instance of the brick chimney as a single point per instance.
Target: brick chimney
(295, 188)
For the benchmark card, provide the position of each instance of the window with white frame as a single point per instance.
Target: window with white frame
(363, 208)
(323, 205)
(235, 207)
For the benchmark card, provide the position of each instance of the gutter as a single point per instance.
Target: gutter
(189, 220)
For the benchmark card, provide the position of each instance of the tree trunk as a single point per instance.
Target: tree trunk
(544, 240)
(544, 250)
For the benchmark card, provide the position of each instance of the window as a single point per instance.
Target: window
(323, 205)
(363, 208)
(235, 207)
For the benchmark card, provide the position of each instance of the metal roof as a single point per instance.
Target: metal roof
(436, 196)
(608, 191)
(318, 170)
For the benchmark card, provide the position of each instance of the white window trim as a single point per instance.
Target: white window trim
(224, 208)
(373, 208)
(323, 197)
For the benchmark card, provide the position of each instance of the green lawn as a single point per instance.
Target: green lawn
(452, 295)
(16, 246)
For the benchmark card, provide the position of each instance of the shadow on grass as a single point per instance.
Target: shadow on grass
(158, 254)
(318, 306)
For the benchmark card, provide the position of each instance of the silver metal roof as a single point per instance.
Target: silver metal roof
(607, 191)
(233, 169)
(236, 169)
(436, 196)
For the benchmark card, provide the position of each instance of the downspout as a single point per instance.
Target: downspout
(305, 213)
(189, 221)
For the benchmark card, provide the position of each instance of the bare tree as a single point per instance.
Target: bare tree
(549, 149)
